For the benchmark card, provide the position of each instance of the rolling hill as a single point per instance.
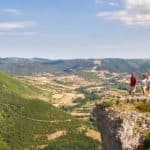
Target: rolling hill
(27, 123)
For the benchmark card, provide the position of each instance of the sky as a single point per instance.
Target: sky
(68, 29)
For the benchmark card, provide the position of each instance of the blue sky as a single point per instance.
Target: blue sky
(75, 28)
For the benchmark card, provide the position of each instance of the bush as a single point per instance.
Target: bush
(74, 141)
(3, 145)
(147, 142)
(144, 107)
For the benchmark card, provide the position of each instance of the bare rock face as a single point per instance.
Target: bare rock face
(122, 129)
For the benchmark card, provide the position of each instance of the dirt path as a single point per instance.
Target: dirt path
(90, 133)
(67, 98)
(56, 135)
(93, 134)
(52, 136)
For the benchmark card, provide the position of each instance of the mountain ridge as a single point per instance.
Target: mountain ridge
(24, 66)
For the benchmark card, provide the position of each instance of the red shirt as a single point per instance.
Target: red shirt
(133, 81)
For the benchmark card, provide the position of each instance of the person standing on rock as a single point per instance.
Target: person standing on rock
(144, 85)
(148, 83)
(133, 82)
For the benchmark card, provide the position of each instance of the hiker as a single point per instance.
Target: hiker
(148, 83)
(144, 84)
(133, 82)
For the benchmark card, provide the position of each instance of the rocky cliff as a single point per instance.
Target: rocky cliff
(124, 124)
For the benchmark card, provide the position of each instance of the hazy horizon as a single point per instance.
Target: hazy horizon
(72, 58)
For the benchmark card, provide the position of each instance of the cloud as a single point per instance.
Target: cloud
(110, 2)
(113, 4)
(135, 12)
(99, 2)
(11, 11)
(18, 33)
(16, 25)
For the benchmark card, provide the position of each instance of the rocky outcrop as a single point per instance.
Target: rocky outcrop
(134, 99)
(122, 129)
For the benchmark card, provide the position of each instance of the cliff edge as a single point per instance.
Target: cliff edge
(124, 124)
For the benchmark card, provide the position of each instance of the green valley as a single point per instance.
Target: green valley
(30, 123)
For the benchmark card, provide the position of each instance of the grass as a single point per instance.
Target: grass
(140, 106)
(89, 76)
(11, 84)
(3, 145)
(74, 141)
(143, 107)
(22, 119)
(17, 127)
